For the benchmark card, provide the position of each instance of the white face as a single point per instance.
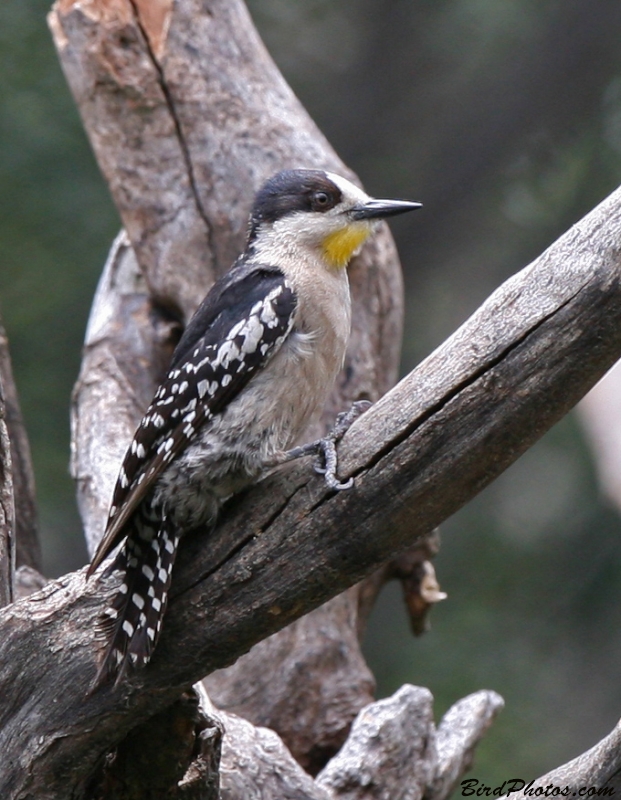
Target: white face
(312, 228)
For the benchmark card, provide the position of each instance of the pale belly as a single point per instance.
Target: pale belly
(269, 416)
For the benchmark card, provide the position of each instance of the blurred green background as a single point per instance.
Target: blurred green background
(504, 118)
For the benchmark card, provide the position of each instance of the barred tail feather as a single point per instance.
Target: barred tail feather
(133, 621)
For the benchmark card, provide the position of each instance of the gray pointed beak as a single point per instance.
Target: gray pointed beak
(378, 209)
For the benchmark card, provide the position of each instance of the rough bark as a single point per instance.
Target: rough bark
(392, 752)
(188, 115)
(329, 682)
(175, 754)
(333, 674)
(27, 545)
(461, 729)
(288, 544)
(256, 765)
(394, 737)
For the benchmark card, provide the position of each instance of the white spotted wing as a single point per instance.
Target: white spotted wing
(240, 325)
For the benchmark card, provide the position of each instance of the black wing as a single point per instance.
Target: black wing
(239, 326)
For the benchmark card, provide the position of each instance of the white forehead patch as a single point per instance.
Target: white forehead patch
(351, 194)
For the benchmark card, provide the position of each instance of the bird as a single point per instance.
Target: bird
(253, 367)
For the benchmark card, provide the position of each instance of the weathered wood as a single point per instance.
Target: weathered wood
(256, 765)
(514, 368)
(27, 545)
(329, 682)
(393, 751)
(188, 115)
(461, 729)
(390, 752)
(175, 754)
(7, 512)
(202, 780)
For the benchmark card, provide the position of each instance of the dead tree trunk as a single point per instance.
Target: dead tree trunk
(188, 116)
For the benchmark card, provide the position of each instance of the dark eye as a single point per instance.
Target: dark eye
(321, 200)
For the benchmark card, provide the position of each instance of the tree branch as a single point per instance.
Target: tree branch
(175, 754)
(287, 545)
(393, 750)
(7, 510)
(330, 681)
(391, 742)
(462, 728)
(27, 545)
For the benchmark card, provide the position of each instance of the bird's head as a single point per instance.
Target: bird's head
(319, 210)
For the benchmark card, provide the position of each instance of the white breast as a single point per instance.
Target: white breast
(273, 410)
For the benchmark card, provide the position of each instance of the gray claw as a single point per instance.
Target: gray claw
(325, 449)
(335, 484)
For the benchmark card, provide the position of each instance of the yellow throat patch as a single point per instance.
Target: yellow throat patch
(339, 246)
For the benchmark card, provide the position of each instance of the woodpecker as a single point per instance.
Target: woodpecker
(254, 365)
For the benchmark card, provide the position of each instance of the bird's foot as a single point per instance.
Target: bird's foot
(325, 448)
